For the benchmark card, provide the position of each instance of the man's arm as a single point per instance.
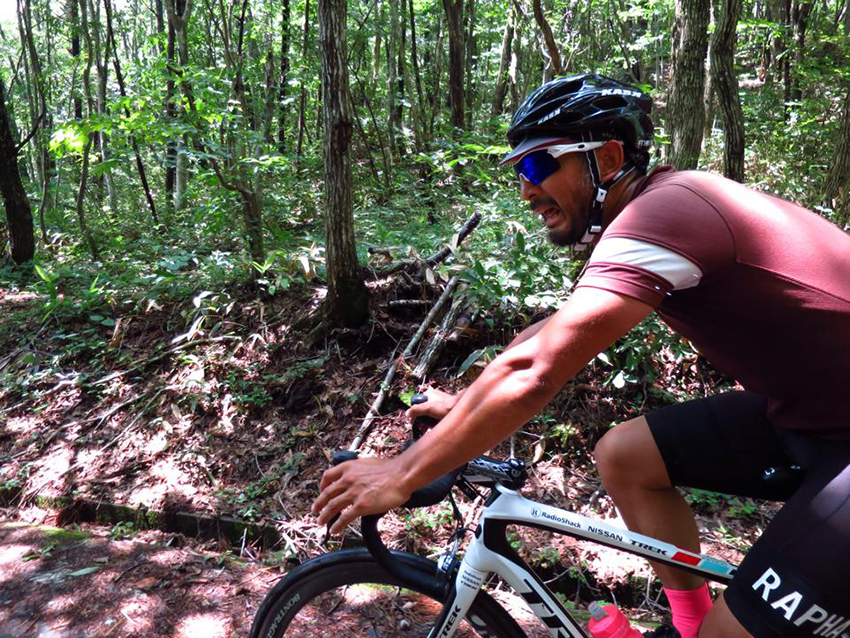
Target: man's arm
(528, 333)
(512, 389)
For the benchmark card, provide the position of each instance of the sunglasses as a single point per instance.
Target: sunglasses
(538, 165)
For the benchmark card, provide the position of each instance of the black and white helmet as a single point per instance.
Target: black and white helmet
(586, 107)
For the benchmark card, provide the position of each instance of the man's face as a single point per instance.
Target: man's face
(562, 200)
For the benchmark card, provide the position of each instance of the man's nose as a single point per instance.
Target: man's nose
(527, 190)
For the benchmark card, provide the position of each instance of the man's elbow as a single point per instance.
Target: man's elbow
(532, 380)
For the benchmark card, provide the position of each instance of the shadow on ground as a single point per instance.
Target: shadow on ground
(59, 583)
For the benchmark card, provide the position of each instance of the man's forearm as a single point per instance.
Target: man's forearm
(500, 400)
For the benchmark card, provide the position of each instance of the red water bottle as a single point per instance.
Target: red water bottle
(609, 622)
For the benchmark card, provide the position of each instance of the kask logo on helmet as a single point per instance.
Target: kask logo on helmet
(628, 92)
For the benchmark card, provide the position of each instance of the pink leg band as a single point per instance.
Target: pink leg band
(689, 609)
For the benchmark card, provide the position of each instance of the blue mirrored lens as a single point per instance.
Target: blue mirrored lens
(537, 166)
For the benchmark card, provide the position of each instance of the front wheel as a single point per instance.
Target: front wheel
(347, 593)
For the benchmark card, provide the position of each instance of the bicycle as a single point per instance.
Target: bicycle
(413, 596)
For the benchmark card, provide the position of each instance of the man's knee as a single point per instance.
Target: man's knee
(628, 454)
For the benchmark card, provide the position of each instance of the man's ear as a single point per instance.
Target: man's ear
(610, 159)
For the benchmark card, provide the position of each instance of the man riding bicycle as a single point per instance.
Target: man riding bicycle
(761, 286)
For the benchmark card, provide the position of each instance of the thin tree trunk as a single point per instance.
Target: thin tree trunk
(302, 100)
(726, 83)
(347, 299)
(75, 55)
(503, 76)
(101, 60)
(471, 44)
(800, 17)
(284, 76)
(837, 182)
(43, 134)
(179, 12)
(454, 17)
(80, 207)
(140, 167)
(553, 63)
(417, 75)
(170, 116)
(393, 119)
(18, 212)
(685, 108)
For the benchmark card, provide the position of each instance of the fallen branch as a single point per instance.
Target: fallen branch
(438, 341)
(408, 351)
(407, 303)
(437, 257)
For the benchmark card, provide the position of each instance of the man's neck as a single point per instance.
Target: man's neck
(621, 194)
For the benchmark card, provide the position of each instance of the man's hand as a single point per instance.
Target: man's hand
(438, 405)
(356, 488)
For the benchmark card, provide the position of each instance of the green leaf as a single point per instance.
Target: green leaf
(85, 571)
(467, 363)
(96, 318)
(43, 274)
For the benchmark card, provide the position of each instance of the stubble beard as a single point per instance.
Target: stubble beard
(581, 216)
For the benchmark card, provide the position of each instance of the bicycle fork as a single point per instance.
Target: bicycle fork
(465, 588)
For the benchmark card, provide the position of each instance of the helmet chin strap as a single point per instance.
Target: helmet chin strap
(600, 193)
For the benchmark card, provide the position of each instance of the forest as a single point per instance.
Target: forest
(240, 235)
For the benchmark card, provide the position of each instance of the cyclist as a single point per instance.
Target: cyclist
(758, 284)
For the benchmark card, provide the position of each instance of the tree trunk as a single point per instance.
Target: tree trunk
(179, 12)
(417, 75)
(18, 212)
(75, 55)
(41, 118)
(284, 77)
(685, 108)
(454, 17)
(170, 116)
(393, 119)
(836, 186)
(140, 167)
(302, 99)
(503, 76)
(471, 57)
(800, 17)
(726, 84)
(101, 60)
(347, 299)
(553, 63)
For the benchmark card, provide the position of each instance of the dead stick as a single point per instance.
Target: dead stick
(437, 257)
(438, 341)
(408, 351)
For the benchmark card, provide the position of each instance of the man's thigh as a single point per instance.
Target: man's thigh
(793, 582)
(723, 443)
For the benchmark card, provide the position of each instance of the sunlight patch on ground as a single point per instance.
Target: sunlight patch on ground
(11, 298)
(12, 555)
(53, 468)
(164, 477)
(209, 625)
(24, 423)
(136, 611)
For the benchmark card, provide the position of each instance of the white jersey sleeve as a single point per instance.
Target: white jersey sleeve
(678, 270)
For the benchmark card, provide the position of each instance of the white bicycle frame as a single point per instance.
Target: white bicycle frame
(490, 552)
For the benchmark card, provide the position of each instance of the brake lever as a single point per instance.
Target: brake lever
(340, 456)
(421, 424)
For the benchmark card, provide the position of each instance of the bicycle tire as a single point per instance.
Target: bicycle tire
(293, 607)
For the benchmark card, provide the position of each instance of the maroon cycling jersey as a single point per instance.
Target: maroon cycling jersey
(772, 304)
